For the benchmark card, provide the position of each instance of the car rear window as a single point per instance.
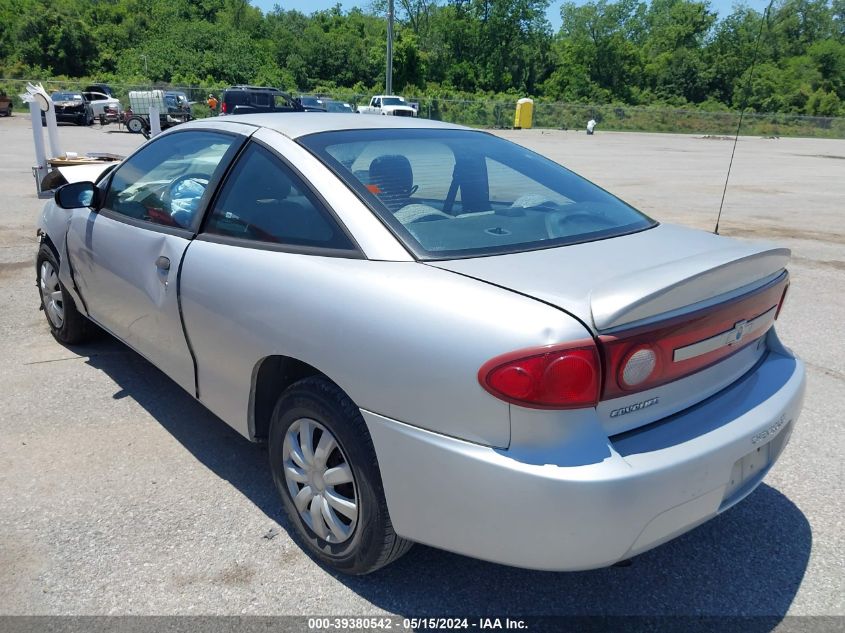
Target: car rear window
(464, 193)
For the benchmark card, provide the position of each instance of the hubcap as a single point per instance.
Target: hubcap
(51, 294)
(320, 480)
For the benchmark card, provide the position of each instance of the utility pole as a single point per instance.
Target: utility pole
(146, 70)
(388, 84)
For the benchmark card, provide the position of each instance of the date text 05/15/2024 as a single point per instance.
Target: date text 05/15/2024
(384, 623)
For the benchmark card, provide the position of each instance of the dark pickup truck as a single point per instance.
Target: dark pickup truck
(258, 99)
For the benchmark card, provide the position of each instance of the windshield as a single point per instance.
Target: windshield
(66, 96)
(337, 106)
(392, 101)
(464, 193)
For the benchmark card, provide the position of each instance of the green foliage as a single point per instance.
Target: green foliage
(674, 53)
(52, 36)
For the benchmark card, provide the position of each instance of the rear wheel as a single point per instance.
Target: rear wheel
(67, 324)
(135, 125)
(325, 469)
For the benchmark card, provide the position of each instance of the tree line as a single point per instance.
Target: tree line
(677, 53)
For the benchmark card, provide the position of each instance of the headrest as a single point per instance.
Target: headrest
(392, 178)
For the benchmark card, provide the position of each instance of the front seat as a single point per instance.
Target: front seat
(392, 180)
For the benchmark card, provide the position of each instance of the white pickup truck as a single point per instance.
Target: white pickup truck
(388, 105)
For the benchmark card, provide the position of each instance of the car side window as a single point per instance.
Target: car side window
(263, 200)
(165, 182)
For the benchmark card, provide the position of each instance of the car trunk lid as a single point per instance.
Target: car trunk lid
(693, 290)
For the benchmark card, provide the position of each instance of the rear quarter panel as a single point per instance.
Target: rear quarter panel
(403, 339)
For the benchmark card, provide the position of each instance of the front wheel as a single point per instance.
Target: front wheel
(325, 469)
(67, 324)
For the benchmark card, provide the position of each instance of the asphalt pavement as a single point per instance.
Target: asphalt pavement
(119, 494)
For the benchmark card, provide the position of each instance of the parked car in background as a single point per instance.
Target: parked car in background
(5, 104)
(389, 105)
(338, 107)
(256, 100)
(71, 107)
(312, 103)
(102, 88)
(103, 105)
(177, 102)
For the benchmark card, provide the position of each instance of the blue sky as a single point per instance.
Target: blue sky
(722, 7)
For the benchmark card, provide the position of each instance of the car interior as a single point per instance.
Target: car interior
(449, 199)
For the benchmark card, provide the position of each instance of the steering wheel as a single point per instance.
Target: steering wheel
(172, 191)
(558, 223)
(183, 216)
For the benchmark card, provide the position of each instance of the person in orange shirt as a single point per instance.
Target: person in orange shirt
(212, 104)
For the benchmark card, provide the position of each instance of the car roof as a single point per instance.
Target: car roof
(296, 124)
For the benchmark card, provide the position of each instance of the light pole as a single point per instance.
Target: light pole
(388, 84)
(146, 70)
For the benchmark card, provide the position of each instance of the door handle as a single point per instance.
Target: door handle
(163, 263)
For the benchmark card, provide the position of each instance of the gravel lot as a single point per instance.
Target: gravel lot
(121, 495)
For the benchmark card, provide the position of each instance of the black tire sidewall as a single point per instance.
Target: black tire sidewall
(74, 328)
(46, 254)
(360, 552)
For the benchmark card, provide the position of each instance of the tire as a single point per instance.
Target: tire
(135, 125)
(68, 326)
(371, 542)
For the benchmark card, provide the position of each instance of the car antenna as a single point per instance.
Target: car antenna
(763, 21)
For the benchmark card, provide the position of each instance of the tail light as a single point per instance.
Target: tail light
(555, 377)
(223, 108)
(581, 373)
(646, 357)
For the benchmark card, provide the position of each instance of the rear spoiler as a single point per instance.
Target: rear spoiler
(685, 285)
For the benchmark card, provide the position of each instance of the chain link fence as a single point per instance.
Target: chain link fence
(499, 113)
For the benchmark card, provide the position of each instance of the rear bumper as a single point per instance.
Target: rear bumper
(556, 507)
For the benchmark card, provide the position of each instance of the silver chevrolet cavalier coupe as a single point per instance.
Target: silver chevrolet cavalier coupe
(441, 336)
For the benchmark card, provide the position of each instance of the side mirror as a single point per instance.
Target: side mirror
(76, 195)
